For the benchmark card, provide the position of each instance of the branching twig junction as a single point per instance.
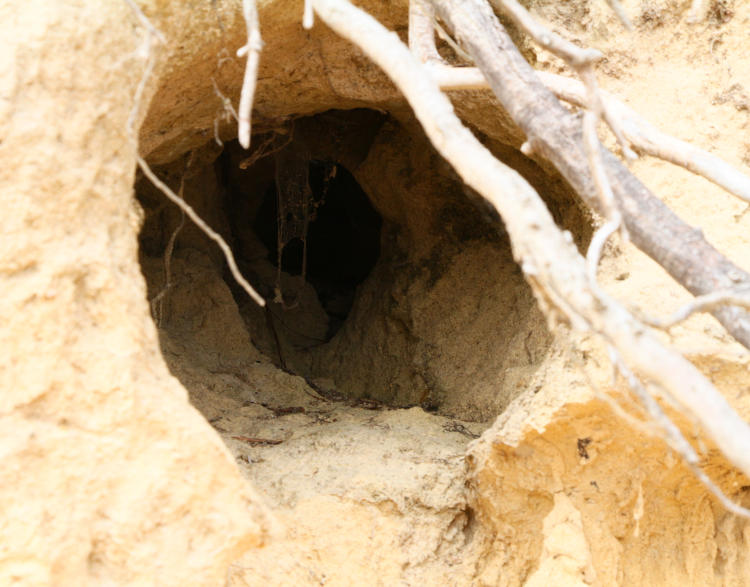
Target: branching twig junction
(555, 134)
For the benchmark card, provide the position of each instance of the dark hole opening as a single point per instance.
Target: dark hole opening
(342, 242)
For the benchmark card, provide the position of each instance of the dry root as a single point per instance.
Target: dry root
(252, 50)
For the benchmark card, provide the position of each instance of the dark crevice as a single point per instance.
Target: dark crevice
(342, 241)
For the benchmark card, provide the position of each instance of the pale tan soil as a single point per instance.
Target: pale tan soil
(110, 476)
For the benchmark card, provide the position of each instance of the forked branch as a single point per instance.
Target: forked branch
(642, 135)
(648, 139)
(555, 134)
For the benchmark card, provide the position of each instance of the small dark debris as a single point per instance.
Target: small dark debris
(736, 96)
(367, 404)
(325, 418)
(328, 395)
(213, 422)
(454, 426)
(290, 410)
(622, 276)
(651, 18)
(594, 484)
(429, 405)
(257, 441)
(721, 11)
(582, 444)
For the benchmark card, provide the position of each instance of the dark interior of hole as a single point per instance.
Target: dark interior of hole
(342, 243)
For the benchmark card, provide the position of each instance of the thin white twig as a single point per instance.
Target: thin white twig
(674, 436)
(130, 127)
(651, 141)
(448, 39)
(580, 60)
(145, 22)
(217, 138)
(620, 12)
(209, 232)
(617, 405)
(227, 112)
(157, 302)
(308, 17)
(594, 253)
(252, 50)
(593, 148)
(265, 149)
(226, 103)
(449, 77)
(573, 55)
(703, 303)
(153, 37)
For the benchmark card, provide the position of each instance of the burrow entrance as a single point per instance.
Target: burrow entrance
(338, 246)
(386, 280)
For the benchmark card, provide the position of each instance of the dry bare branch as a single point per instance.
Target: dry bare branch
(651, 141)
(638, 132)
(581, 60)
(252, 50)
(549, 259)
(554, 133)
